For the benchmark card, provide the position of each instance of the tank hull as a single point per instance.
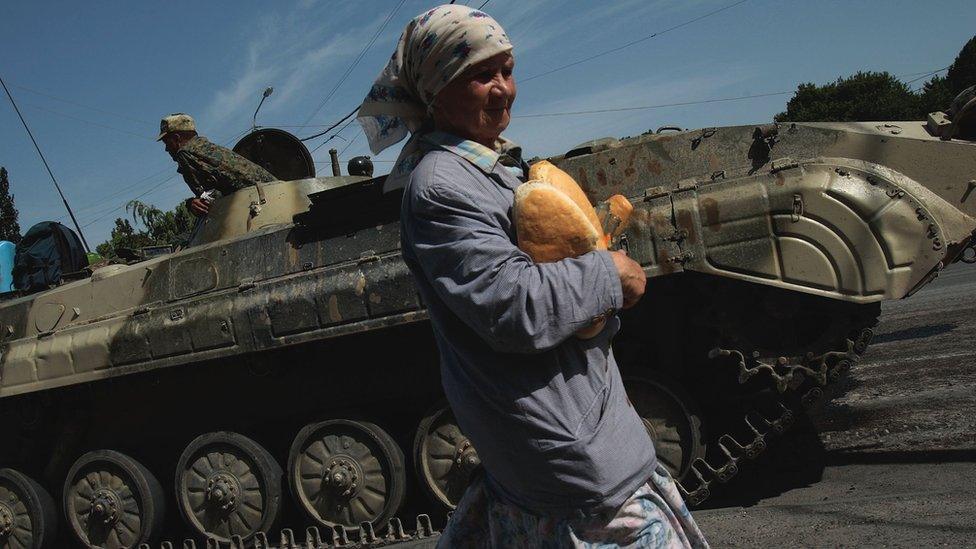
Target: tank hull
(769, 250)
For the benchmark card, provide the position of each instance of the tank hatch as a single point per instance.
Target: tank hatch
(277, 151)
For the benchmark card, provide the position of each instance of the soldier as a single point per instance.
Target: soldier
(206, 167)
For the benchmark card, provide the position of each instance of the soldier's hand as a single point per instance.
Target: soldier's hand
(198, 207)
(632, 278)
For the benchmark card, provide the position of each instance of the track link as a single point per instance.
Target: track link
(807, 378)
(364, 537)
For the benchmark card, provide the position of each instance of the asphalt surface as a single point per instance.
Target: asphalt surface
(890, 460)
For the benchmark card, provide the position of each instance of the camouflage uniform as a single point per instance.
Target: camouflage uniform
(207, 166)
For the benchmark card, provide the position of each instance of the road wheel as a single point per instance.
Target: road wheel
(444, 458)
(345, 472)
(228, 485)
(28, 515)
(672, 420)
(112, 501)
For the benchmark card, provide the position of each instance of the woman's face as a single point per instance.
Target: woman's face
(477, 104)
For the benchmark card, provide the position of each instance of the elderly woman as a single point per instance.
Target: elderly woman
(567, 461)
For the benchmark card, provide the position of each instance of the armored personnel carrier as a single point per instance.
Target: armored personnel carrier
(280, 368)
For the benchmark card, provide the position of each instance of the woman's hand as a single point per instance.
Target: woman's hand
(632, 277)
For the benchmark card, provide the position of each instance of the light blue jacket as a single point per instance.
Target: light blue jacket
(546, 411)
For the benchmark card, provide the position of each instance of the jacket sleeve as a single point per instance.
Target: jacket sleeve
(198, 175)
(514, 304)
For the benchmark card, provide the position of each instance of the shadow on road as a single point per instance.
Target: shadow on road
(792, 461)
(915, 332)
(798, 460)
(881, 457)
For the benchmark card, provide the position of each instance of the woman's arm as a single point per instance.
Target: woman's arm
(487, 281)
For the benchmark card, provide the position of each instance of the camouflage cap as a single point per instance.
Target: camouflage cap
(176, 122)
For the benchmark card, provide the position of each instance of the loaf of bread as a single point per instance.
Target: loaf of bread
(554, 220)
(546, 172)
(620, 208)
(551, 226)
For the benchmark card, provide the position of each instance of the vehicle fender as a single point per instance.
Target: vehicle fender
(836, 227)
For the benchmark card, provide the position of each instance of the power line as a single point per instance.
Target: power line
(371, 160)
(100, 215)
(336, 134)
(686, 103)
(82, 105)
(349, 144)
(137, 197)
(102, 210)
(916, 73)
(124, 190)
(44, 160)
(297, 126)
(482, 6)
(79, 119)
(926, 75)
(355, 61)
(645, 107)
(327, 130)
(631, 43)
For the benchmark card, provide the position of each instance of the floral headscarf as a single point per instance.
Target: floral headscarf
(435, 48)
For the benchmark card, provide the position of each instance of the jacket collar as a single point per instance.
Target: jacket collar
(482, 157)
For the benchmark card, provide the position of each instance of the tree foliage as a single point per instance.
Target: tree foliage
(159, 228)
(9, 228)
(123, 236)
(868, 96)
(939, 92)
(864, 96)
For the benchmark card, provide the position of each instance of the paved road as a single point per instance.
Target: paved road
(891, 460)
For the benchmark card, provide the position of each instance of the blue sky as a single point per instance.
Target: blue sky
(93, 78)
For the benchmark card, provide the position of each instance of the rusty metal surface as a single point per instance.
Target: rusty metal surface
(734, 202)
(630, 166)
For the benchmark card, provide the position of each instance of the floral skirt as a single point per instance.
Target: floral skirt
(654, 516)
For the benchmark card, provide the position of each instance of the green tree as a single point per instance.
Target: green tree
(939, 92)
(868, 96)
(123, 236)
(864, 96)
(9, 228)
(171, 227)
(159, 228)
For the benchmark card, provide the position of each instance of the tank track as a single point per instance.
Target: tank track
(799, 385)
(806, 379)
(423, 536)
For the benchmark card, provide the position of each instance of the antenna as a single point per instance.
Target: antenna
(49, 172)
(254, 121)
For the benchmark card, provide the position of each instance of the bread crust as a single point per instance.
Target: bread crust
(550, 225)
(548, 172)
(621, 208)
